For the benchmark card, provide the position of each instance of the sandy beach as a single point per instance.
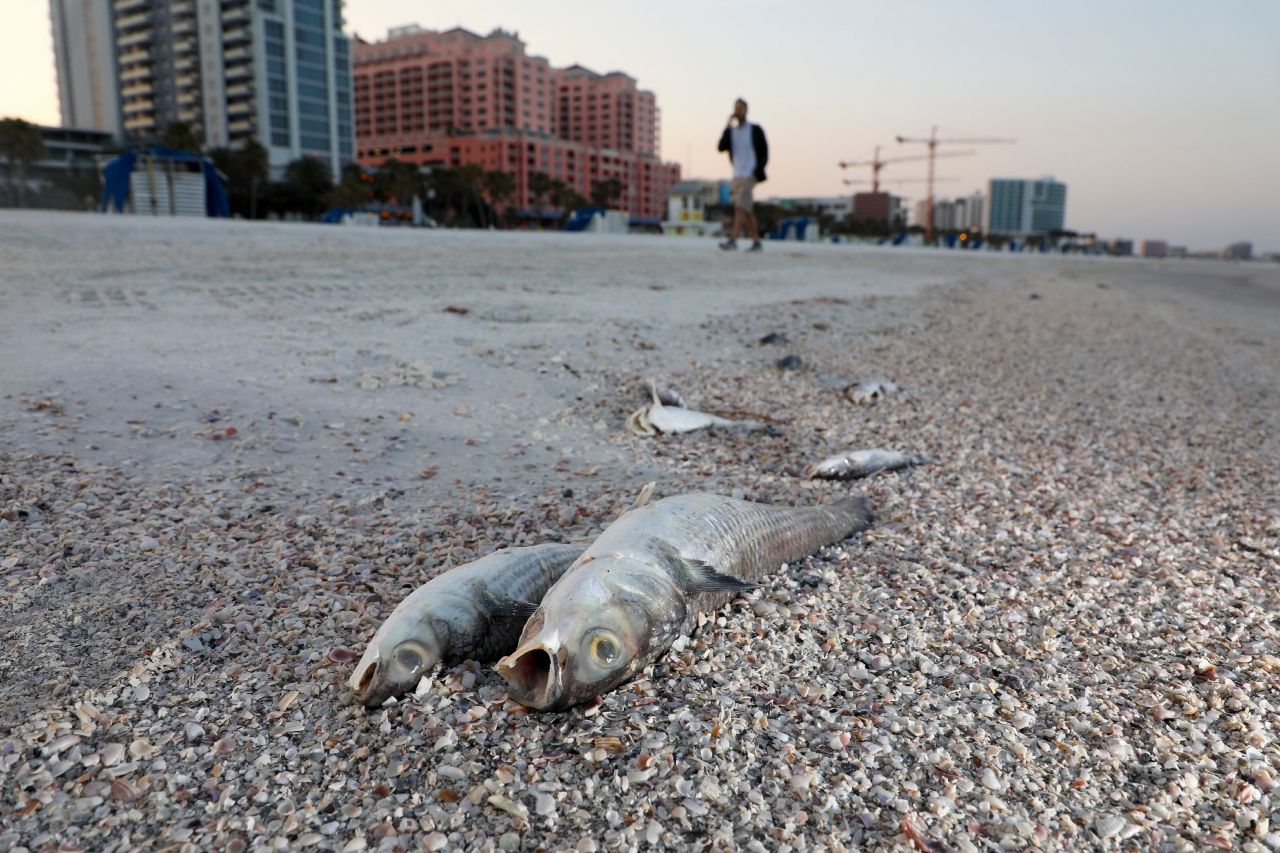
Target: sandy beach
(228, 450)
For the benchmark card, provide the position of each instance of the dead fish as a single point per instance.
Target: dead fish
(853, 464)
(639, 586)
(472, 612)
(657, 417)
(869, 392)
(774, 338)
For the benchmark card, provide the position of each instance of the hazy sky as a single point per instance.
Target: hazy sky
(1163, 118)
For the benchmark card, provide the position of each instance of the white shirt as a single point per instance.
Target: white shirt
(744, 153)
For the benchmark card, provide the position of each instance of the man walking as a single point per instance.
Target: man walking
(748, 152)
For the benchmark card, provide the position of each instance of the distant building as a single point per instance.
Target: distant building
(448, 98)
(278, 71)
(1238, 252)
(85, 58)
(1153, 249)
(697, 207)
(67, 175)
(1024, 208)
(878, 207)
(837, 206)
(1120, 248)
(958, 214)
(1177, 252)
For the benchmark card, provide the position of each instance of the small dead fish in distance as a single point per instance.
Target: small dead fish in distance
(659, 418)
(472, 612)
(640, 585)
(869, 392)
(853, 464)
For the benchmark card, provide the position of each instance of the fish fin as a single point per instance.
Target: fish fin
(512, 608)
(704, 578)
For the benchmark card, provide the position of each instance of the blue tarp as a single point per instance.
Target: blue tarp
(115, 179)
(582, 218)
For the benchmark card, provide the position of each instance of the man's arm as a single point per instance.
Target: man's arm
(762, 147)
(726, 143)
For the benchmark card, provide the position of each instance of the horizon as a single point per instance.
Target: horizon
(1157, 120)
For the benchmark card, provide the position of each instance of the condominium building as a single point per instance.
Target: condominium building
(448, 98)
(84, 53)
(278, 71)
(1026, 207)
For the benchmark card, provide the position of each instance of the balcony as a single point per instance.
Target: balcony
(135, 38)
(237, 35)
(135, 90)
(237, 53)
(129, 22)
(124, 7)
(187, 81)
(242, 71)
(140, 106)
(241, 126)
(239, 90)
(240, 107)
(136, 72)
(235, 15)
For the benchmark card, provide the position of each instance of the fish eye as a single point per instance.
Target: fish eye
(409, 658)
(604, 649)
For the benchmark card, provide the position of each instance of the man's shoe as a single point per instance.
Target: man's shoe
(757, 246)
(729, 245)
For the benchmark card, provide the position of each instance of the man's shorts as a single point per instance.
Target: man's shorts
(740, 191)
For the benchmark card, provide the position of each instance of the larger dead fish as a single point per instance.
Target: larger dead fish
(472, 612)
(853, 464)
(638, 587)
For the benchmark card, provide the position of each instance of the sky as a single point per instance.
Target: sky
(1163, 118)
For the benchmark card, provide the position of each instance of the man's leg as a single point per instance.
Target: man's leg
(753, 227)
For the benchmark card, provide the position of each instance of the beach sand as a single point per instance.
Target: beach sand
(227, 450)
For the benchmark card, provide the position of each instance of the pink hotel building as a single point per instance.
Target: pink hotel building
(454, 97)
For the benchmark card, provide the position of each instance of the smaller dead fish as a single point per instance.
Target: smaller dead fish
(854, 464)
(658, 418)
(472, 611)
(774, 338)
(869, 392)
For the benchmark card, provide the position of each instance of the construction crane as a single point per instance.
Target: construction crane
(877, 164)
(933, 142)
(862, 182)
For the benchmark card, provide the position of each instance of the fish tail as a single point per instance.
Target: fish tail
(853, 513)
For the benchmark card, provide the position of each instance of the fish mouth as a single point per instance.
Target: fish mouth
(368, 689)
(534, 676)
(362, 681)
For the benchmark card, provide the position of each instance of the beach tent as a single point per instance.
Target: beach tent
(164, 182)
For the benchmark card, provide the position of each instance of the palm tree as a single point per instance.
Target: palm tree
(500, 187)
(605, 193)
(21, 145)
(539, 186)
(180, 135)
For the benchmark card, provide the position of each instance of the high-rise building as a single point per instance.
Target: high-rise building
(1024, 208)
(448, 98)
(278, 71)
(1153, 248)
(84, 53)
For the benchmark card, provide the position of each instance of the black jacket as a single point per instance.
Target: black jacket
(757, 142)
